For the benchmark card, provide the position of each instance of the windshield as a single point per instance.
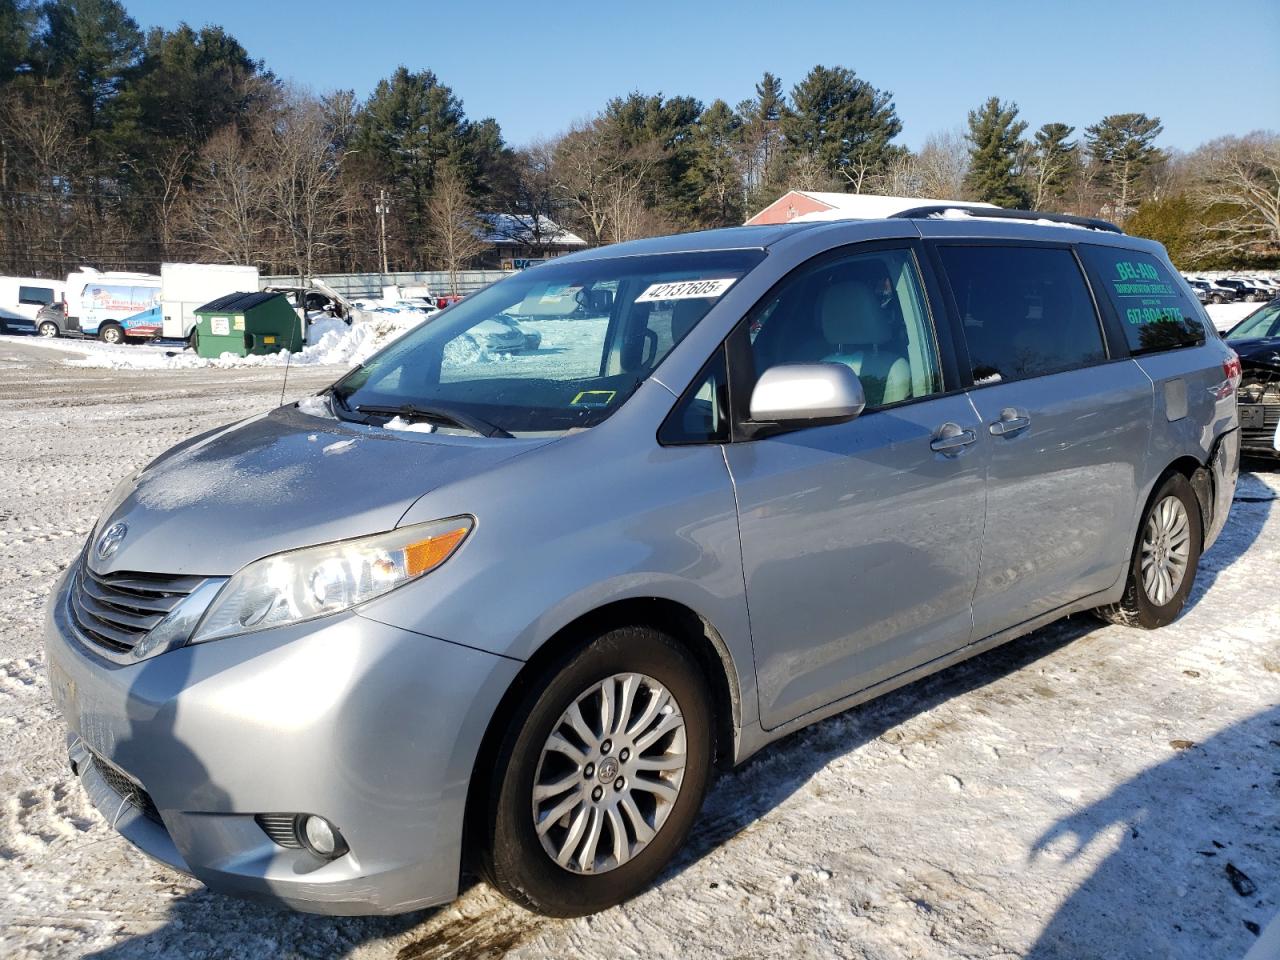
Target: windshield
(1258, 325)
(548, 349)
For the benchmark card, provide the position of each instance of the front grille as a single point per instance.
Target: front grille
(131, 791)
(117, 610)
(280, 828)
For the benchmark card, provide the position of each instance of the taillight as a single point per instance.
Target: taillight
(1233, 373)
(1232, 369)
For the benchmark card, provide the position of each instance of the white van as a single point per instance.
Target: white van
(21, 299)
(97, 302)
(188, 286)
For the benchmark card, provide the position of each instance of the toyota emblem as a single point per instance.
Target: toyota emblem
(109, 542)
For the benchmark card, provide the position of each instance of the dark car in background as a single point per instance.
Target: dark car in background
(1207, 292)
(1250, 291)
(1256, 339)
(51, 321)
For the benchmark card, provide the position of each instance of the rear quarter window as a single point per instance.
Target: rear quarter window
(35, 295)
(1153, 307)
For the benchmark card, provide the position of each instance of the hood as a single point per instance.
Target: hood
(1264, 352)
(279, 482)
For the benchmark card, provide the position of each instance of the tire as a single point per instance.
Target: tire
(1160, 534)
(193, 340)
(606, 790)
(47, 328)
(111, 333)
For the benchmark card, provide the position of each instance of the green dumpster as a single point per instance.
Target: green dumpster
(245, 323)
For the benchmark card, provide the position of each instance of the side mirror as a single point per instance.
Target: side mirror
(806, 394)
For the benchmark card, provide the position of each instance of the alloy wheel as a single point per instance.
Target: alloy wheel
(609, 773)
(1166, 550)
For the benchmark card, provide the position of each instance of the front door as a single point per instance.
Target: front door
(859, 540)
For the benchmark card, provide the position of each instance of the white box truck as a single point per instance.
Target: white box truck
(185, 287)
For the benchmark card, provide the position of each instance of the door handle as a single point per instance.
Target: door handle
(1010, 423)
(951, 438)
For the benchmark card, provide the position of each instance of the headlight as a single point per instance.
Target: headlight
(318, 581)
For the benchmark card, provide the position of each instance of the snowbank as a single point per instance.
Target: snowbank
(329, 342)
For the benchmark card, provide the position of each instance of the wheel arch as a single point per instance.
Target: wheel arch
(1201, 479)
(685, 624)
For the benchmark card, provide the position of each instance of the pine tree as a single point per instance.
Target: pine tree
(17, 31)
(408, 128)
(716, 172)
(995, 146)
(1123, 146)
(1054, 160)
(842, 121)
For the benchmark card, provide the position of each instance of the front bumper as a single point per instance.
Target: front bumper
(373, 727)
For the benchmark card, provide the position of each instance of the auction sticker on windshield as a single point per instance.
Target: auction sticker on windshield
(685, 290)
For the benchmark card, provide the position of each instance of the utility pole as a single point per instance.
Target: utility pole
(381, 209)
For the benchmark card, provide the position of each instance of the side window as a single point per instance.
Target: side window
(702, 415)
(35, 296)
(1154, 309)
(866, 311)
(1026, 311)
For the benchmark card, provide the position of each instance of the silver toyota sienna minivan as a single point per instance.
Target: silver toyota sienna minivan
(512, 609)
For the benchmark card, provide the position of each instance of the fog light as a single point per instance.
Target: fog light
(322, 838)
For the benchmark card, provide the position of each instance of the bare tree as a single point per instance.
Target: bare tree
(170, 174)
(901, 178)
(808, 172)
(301, 178)
(43, 156)
(455, 236)
(533, 197)
(1242, 175)
(604, 182)
(225, 209)
(858, 172)
(942, 164)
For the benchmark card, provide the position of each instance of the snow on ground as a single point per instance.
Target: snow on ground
(1087, 791)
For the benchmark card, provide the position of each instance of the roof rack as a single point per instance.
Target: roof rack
(999, 213)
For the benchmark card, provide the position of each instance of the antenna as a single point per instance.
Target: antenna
(288, 357)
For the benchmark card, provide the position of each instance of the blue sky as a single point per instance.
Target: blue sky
(1206, 69)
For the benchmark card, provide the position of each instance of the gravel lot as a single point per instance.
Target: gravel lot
(1088, 791)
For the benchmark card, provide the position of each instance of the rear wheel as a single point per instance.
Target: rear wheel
(47, 328)
(111, 333)
(600, 775)
(1165, 559)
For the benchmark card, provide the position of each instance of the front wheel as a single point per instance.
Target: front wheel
(111, 333)
(600, 775)
(1165, 559)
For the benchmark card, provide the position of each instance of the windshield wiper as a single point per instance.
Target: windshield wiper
(445, 415)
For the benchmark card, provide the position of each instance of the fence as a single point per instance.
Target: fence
(358, 285)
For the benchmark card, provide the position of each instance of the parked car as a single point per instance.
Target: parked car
(520, 635)
(51, 320)
(1256, 339)
(22, 298)
(1207, 292)
(1247, 290)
